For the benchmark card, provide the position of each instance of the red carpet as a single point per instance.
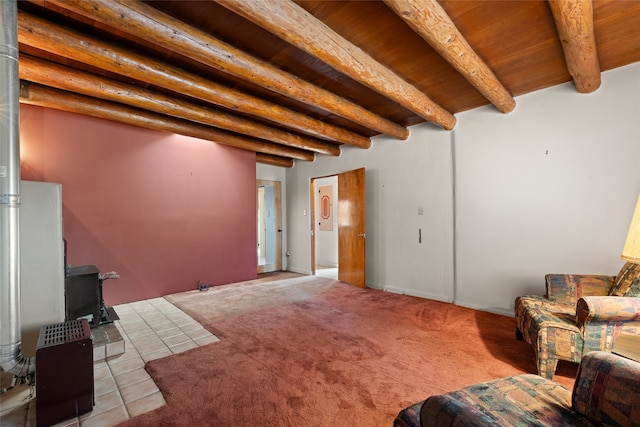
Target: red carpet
(346, 357)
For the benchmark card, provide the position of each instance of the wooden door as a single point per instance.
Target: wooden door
(269, 220)
(351, 227)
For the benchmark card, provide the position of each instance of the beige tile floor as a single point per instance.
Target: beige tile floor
(151, 329)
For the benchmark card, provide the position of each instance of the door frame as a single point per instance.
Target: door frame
(277, 202)
(312, 197)
(312, 215)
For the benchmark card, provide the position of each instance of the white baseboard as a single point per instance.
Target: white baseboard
(414, 293)
(427, 295)
(494, 310)
(444, 298)
(299, 271)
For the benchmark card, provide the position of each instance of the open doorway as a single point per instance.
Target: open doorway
(349, 222)
(269, 226)
(325, 227)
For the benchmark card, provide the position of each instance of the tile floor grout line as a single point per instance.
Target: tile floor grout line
(140, 311)
(117, 387)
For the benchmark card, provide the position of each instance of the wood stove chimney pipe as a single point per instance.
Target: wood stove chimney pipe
(11, 358)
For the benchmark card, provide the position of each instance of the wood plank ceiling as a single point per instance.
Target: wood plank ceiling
(290, 79)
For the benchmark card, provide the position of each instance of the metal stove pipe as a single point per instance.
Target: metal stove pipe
(11, 358)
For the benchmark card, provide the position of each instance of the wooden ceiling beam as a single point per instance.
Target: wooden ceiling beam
(43, 35)
(35, 94)
(152, 25)
(433, 24)
(270, 159)
(574, 22)
(65, 78)
(300, 28)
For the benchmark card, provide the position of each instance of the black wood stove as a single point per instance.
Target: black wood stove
(83, 295)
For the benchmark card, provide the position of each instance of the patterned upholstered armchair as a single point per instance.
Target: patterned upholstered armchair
(606, 393)
(579, 314)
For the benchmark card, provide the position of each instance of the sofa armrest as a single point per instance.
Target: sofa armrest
(567, 288)
(607, 388)
(607, 309)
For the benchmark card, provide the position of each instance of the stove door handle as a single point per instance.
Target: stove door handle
(109, 275)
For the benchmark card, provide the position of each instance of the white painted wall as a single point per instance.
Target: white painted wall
(548, 188)
(271, 173)
(401, 177)
(327, 240)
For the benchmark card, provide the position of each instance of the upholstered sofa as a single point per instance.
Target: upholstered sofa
(578, 314)
(606, 393)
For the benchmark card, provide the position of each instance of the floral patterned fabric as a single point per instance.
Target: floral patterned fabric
(627, 282)
(607, 390)
(602, 319)
(556, 337)
(409, 416)
(577, 316)
(567, 288)
(521, 400)
(606, 393)
(529, 301)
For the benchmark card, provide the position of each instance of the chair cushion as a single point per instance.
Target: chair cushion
(512, 401)
(627, 282)
(542, 303)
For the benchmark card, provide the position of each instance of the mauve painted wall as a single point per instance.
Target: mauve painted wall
(162, 210)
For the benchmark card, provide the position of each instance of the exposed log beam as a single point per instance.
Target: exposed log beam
(574, 22)
(148, 23)
(295, 25)
(41, 34)
(35, 94)
(432, 23)
(274, 160)
(65, 78)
